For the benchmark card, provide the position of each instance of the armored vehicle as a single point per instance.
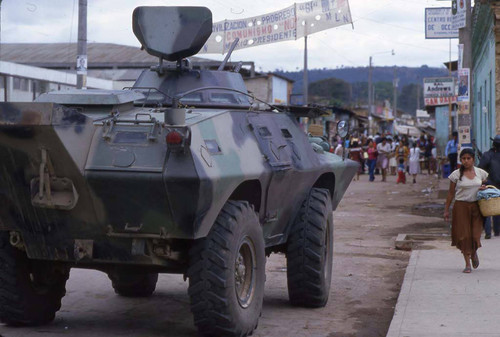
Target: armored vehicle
(182, 173)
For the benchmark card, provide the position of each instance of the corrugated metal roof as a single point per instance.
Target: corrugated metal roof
(57, 55)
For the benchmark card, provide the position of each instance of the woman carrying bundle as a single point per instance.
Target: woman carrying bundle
(467, 221)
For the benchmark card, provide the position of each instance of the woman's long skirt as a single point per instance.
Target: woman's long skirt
(466, 227)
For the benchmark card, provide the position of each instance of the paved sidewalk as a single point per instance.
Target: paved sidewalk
(437, 299)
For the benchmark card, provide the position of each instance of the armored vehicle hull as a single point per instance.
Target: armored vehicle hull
(179, 174)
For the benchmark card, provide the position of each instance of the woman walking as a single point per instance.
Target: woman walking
(414, 161)
(356, 154)
(467, 222)
(372, 158)
(384, 150)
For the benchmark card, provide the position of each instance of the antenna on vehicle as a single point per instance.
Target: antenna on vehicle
(228, 55)
(238, 67)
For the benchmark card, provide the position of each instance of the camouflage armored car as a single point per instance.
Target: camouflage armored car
(182, 173)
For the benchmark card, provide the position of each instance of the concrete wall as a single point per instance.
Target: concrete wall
(259, 86)
(442, 122)
(279, 92)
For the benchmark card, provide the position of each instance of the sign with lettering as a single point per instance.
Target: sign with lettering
(291, 23)
(458, 19)
(438, 23)
(440, 100)
(435, 87)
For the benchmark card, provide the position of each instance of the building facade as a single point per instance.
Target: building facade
(486, 73)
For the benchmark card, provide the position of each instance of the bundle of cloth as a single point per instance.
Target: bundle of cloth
(488, 193)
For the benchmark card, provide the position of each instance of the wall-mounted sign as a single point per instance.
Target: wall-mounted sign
(435, 87)
(458, 13)
(81, 64)
(438, 23)
(463, 85)
(440, 100)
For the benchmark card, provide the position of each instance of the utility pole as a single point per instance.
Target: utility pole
(81, 53)
(371, 90)
(418, 96)
(464, 37)
(4, 78)
(395, 89)
(370, 97)
(305, 77)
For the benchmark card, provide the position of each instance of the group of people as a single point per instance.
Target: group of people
(385, 152)
(467, 222)
(393, 155)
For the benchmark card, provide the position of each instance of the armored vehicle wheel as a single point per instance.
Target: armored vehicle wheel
(30, 291)
(310, 251)
(133, 284)
(227, 273)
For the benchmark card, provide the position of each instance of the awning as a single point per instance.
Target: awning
(407, 130)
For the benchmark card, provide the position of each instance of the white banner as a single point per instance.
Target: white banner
(290, 23)
(438, 23)
(460, 56)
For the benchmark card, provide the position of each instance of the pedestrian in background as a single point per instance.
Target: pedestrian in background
(384, 150)
(467, 221)
(451, 151)
(414, 161)
(356, 154)
(393, 161)
(339, 149)
(372, 158)
(402, 151)
(401, 172)
(490, 162)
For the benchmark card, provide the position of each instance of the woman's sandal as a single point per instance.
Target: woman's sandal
(475, 261)
(467, 270)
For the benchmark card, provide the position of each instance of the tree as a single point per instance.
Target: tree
(332, 90)
(407, 99)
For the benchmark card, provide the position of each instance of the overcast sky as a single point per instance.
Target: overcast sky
(379, 27)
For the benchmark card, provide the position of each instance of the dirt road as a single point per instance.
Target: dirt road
(368, 272)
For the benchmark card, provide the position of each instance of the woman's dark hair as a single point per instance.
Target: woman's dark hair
(465, 151)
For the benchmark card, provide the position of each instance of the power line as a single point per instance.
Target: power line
(396, 42)
(393, 25)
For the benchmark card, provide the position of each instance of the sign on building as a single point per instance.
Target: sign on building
(438, 23)
(463, 85)
(291, 23)
(439, 90)
(459, 12)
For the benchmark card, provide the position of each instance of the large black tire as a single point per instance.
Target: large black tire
(227, 273)
(30, 291)
(310, 251)
(134, 284)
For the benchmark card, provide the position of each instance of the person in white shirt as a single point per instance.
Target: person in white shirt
(384, 149)
(339, 150)
(467, 221)
(414, 160)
